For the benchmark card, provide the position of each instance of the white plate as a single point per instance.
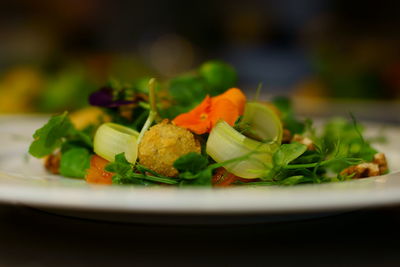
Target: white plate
(23, 180)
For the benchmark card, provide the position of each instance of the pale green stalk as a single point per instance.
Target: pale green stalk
(153, 115)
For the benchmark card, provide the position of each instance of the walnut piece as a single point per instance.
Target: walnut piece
(52, 163)
(368, 169)
(380, 159)
(304, 140)
(286, 136)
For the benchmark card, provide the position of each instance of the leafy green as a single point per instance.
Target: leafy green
(124, 173)
(287, 153)
(344, 139)
(284, 172)
(281, 159)
(187, 90)
(120, 166)
(49, 137)
(53, 134)
(194, 170)
(201, 178)
(296, 179)
(74, 162)
(219, 76)
(191, 162)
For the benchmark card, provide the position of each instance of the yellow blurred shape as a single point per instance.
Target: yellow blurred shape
(19, 88)
(312, 88)
(90, 115)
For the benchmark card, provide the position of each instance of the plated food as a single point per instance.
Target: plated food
(199, 129)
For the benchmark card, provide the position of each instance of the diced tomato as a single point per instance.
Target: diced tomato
(96, 173)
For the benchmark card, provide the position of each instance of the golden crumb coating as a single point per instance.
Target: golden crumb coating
(162, 144)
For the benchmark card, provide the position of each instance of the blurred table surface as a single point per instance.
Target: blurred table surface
(29, 237)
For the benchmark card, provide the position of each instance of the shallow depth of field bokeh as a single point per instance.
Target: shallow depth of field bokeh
(54, 53)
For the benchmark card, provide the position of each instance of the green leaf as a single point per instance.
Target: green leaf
(192, 162)
(50, 136)
(120, 166)
(188, 90)
(55, 133)
(80, 136)
(127, 180)
(75, 162)
(201, 178)
(293, 180)
(194, 170)
(219, 76)
(343, 139)
(125, 174)
(287, 153)
(164, 180)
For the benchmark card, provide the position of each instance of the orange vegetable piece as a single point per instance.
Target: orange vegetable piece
(223, 178)
(236, 96)
(96, 173)
(197, 119)
(227, 106)
(223, 109)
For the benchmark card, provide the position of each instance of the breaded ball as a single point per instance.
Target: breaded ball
(162, 144)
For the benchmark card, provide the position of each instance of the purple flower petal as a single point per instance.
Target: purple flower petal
(104, 98)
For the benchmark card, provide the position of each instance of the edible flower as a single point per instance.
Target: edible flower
(227, 106)
(104, 97)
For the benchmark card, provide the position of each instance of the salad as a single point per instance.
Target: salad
(199, 129)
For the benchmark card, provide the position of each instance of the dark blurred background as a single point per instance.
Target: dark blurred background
(53, 53)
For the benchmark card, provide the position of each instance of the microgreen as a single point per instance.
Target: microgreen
(127, 173)
(74, 162)
(54, 133)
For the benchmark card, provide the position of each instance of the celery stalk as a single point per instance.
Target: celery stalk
(225, 143)
(112, 139)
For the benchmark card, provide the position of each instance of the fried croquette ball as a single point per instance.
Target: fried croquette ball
(162, 144)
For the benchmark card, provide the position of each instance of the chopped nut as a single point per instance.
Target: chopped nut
(52, 163)
(304, 140)
(380, 159)
(286, 137)
(362, 170)
(377, 167)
